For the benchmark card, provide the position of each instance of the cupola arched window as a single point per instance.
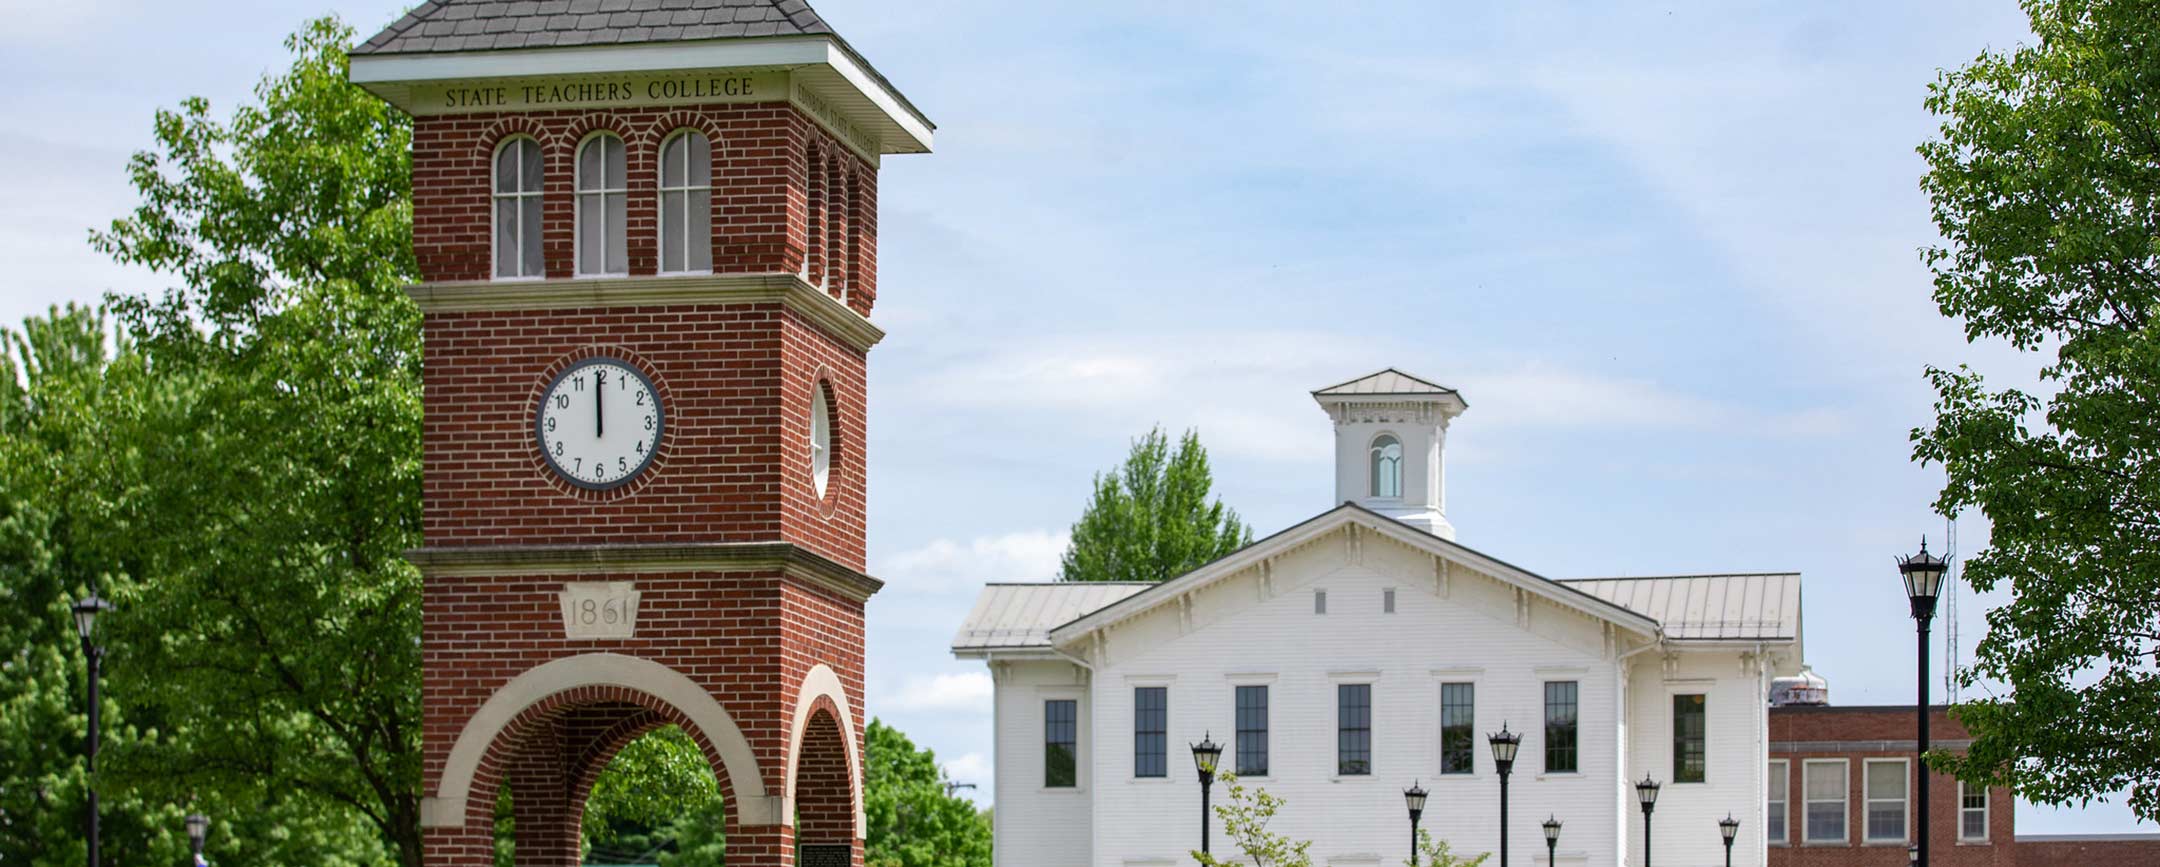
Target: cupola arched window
(686, 204)
(820, 440)
(602, 197)
(517, 209)
(1386, 466)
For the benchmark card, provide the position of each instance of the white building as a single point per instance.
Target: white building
(1345, 657)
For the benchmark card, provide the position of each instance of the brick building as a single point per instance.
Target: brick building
(647, 240)
(1841, 793)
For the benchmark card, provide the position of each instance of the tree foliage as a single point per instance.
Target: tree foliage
(1151, 520)
(915, 821)
(2045, 183)
(1245, 817)
(1439, 854)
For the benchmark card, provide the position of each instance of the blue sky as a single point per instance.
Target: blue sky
(1668, 253)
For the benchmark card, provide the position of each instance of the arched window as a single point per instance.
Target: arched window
(1386, 466)
(517, 209)
(837, 230)
(602, 194)
(820, 440)
(686, 203)
(813, 270)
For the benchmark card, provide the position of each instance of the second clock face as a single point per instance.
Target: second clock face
(600, 423)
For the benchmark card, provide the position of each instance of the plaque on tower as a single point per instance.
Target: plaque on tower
(599, 609)
(826, 855)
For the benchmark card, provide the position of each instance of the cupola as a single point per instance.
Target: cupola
(1390, 436)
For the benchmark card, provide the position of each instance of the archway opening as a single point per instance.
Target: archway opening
(656, 802)
(824, 795)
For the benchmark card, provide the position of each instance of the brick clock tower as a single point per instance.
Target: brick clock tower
(647, 231)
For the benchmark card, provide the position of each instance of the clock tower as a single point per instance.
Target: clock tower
(647, 235)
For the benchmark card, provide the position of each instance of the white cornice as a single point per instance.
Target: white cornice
(786, 557)
(788, 289)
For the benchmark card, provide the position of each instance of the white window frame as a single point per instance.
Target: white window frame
(1083, 722)
(495, 198)
(578, 192)
(821, 452)
(1868, 800)
(1844, 802)
(1374, 461)
(1987, 807)
(1475, 679)
(1783, 803)
(660, 224)
(1260, 679)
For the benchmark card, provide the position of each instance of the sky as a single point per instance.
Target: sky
(1668, 252)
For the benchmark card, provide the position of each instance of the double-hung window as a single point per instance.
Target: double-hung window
(1252, 731)
(1151, 727)
(1972, 812)
(1458, 714)
(1353, 729)
(1824, 785)
(1560, 709)
(1061, 729)
(603, 192)
(517, 209)
(1690, 753)
(1780, 796)
(1885, 792)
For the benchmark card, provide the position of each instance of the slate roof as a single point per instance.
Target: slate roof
(1389, 381)
(482, 25)
(1014, 616)
(1708, 607)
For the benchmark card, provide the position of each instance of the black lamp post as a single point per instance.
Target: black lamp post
(198, 830)
(1552, 840)
(1730, 827)
(1923, 574)
(1414, 798)
(1205, 755)
(1504, 745)
(86, 614)
(1646, 792)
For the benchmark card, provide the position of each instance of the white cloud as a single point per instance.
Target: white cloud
(972, 768)
(945, 564)
(966, 692)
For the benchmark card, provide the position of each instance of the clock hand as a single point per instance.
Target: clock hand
(599, 415)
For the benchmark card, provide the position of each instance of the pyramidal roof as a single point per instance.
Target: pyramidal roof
(1389, 381)
(482, 25)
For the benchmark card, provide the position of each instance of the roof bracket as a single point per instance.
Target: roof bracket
(1522, 608)
(1184, 603)
(1440, 576)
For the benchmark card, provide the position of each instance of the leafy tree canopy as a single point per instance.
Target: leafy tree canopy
(2045, 183)
(1151, 519)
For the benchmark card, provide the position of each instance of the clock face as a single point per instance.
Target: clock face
(599, 423)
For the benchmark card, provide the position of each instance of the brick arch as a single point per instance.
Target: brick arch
(491, 735)
(824, 782)
(823, 694)
(492, 138)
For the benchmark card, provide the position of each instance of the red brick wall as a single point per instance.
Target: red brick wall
(761, 170)
(734, 464)
(2089, 853)
(1853, 735)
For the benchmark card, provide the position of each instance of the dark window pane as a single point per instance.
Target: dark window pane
(1252, 731)
(1060, 748)
(1560, 726)
(1151, 723)
(1689, 721)
(1353, 729)
(1458, 715)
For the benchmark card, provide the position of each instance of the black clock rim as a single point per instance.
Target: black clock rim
(659, 426)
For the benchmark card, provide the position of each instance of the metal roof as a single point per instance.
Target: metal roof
(483, 25)
(1389, 381)
(1708, 607)
(1010, 616)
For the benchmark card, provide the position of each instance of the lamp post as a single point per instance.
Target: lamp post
(86, 614)
(1414, 798)
(1923, 574)
(1504, 745)
(1552, 840)
(1646, 792)
(1205, 755)
(1729, 827)
(198, 830)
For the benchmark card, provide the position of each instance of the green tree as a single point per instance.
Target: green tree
(1439, 854)
(915, 821)
(1245, 818)
(2045, 183)
(1151, 520)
